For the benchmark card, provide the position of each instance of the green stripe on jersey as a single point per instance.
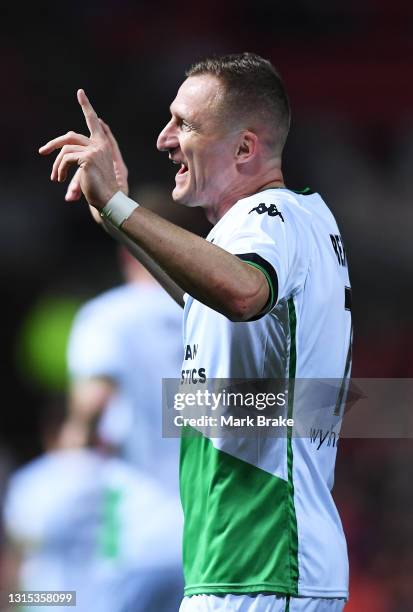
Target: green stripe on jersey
(305, 191)
(110, 531)
(237, 533)
(293, 556)
(267, 276)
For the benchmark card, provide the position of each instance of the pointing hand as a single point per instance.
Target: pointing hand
(93, 155)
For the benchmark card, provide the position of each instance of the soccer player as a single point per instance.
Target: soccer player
(122, 343)
(267, 296)
(79, 520)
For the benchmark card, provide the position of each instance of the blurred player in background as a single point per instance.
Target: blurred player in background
(78, 519)
(121, 346)
(268, 296)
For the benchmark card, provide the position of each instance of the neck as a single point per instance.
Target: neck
(215, 212)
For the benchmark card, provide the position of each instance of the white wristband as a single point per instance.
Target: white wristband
(118, 209)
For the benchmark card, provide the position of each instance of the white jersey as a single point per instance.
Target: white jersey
(87, 523)
(272, 524)
(132, 335)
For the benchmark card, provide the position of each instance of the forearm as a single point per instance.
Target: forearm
(157, 272)
(208, 273)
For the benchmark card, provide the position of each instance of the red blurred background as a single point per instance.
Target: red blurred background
(348, 68)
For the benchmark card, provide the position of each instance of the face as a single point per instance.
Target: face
(202, 145)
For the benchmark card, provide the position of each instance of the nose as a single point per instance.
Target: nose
(167, 139)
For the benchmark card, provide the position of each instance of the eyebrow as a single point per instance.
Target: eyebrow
(172, 112)
(181, 116)
(176, 114)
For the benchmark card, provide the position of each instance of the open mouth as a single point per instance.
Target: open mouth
(182, 170)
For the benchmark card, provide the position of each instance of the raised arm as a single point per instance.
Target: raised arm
(205, 271)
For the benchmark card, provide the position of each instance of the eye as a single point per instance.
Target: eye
(185, 125)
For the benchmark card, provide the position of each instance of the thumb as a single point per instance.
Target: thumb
(74, 191)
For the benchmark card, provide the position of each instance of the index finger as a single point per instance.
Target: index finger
(60, 141)
(91, 117)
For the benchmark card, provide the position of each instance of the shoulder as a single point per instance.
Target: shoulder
(27, 481)
(126, 303)
(107, 311)
(275, 203)
(268, 212)
(104, 302)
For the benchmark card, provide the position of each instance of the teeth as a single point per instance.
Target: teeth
(179, 163)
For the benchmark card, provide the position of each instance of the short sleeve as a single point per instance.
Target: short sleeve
(274, 237)
(19, 524)
(94, 347)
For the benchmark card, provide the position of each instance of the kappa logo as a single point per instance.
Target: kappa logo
(272, 210)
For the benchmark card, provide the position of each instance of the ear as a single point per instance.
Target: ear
(247, 147)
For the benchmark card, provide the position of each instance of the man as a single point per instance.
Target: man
(266, 298)
(77, 519)
(122, 343)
